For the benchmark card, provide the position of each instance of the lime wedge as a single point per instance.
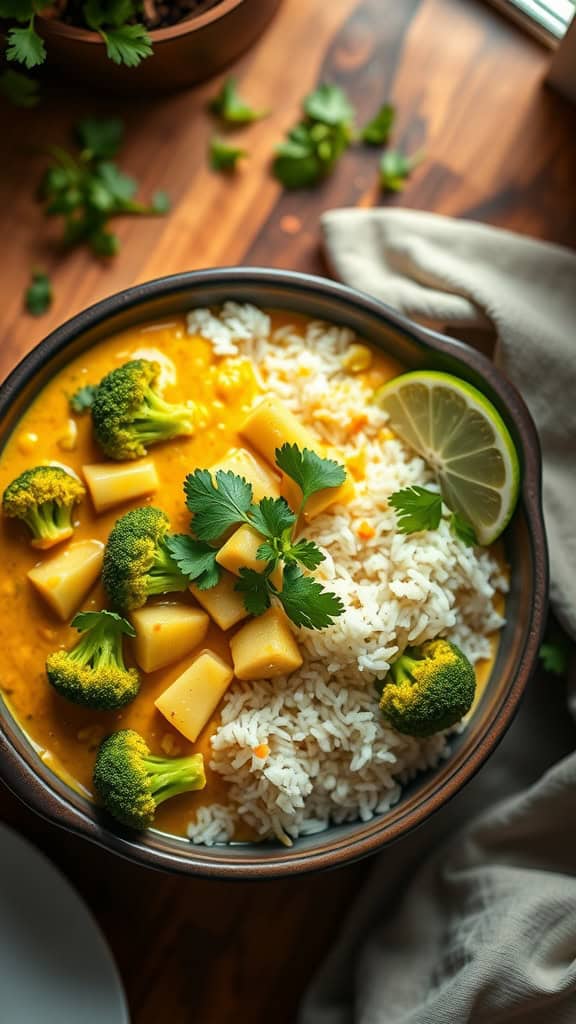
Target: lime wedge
(463, 439)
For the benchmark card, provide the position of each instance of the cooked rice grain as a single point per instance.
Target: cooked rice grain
(332, 758)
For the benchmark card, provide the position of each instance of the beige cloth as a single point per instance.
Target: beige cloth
(463, 274)
(484, 930)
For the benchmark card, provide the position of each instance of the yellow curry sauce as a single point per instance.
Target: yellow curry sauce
(65, 735)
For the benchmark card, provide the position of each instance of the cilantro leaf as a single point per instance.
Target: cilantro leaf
(329, 105)
(18, 88)
(160, 202)
(417, 509)
(111, 189)
(306, 552)
(272, 517)
(98, 138)
(255, 589)
(305, 601)
(195, 559)
(224, 157)
(377, 131)
(395, 169)
(83, 398)
(462, 529)
(127, 44)
(232, 110)
(297, 164)
(26, 46)
(554, 658)
(84, 621)
(311, 472)
(38, 296)
(217, 506)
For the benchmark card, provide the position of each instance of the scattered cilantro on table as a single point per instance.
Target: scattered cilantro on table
(38, 296)
(88, 190)
(19, 89)
(378, 130)
(223, 156)
(231, 108)
(395, 169)
(313, 146)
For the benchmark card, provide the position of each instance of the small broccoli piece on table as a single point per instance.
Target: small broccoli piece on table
(128, 414)
(137, 563)
(44, 498)
(131, 781)
(431, 687)
(93, 673)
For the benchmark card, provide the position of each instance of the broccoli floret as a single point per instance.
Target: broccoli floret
(136, 561)
(128, 414)
(432, 686)
(131, 781)
(44, 498)
(93, 673)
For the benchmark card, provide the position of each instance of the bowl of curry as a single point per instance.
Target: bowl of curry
(291, 625)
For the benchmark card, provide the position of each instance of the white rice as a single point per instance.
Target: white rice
(332, 758)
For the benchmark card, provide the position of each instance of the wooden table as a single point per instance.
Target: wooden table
(500, 148)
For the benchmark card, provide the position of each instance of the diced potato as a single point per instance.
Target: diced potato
(265, 482)
(270, 425)
(166, 633)
(192, 698)
(239, 552)
(64, 580)
(222, 602)
(265, 647)
(320, 501)
(111, 484)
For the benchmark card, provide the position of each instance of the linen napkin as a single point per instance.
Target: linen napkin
(482, 929)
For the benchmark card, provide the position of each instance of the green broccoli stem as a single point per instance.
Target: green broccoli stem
(171, 776)
(401, 670)
(159, 419)
(164, 576)
(100, 647)
(49, 520)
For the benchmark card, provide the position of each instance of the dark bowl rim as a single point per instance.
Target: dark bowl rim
(19, 774)
(158, 35)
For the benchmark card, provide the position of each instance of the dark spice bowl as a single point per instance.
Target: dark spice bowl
(189, 51)
(31, 780)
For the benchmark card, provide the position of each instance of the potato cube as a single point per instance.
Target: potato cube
(192, 698)
(270, 425)
(265, 482)
(239, 552)
(265, 647)
(111, 484)
(166, 633)
(222, 602)
(64, 581)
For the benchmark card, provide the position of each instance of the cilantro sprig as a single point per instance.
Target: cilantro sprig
(224, 156)
(88, 190)
(38, 296)
(418, 508)
(225, 501)
(232, 110)
(313, 146)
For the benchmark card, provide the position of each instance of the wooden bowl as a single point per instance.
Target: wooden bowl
(413, 346)
(183, 54)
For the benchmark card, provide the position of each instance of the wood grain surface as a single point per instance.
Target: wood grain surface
(500, 148)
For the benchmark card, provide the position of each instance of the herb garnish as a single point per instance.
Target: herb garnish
(395, 169)
(88, 190)
(18, 88)
(38, 296)
(377, 131)
(226, 501)
(313, 146)
(223, 156)
(418, 508)
(231, 108)
(83, 399)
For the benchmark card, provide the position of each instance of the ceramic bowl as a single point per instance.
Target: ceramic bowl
(185, 53)
(415, 347)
